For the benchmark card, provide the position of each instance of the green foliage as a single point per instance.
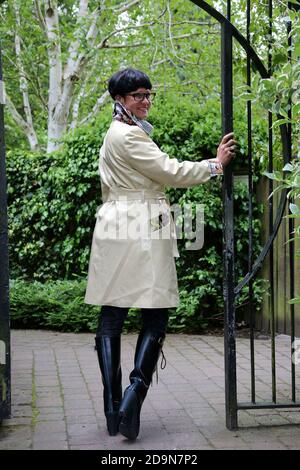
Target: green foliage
(52, 201)
(281, 95)
(54, 305)
(57, 305)
(290, 181)
(200, 272)
(188, 130)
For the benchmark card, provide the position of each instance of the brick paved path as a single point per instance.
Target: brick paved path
(57, 396)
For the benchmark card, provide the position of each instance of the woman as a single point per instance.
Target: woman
(132, 260)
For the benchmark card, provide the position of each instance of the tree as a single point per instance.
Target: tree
(63, 52)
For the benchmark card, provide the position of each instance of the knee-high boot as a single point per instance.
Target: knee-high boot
(108, 349)
(148, 349)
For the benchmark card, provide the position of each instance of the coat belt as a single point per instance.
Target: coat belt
(134, 194)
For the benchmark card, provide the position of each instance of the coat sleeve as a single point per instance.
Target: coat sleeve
(144, 155)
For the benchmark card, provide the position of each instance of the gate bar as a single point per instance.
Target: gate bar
(271, 221)
(291, 229)
(5, 391)
(250, 211)
(228, 235)
(264, 405)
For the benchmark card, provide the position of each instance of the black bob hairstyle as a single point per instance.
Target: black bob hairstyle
(126, 81)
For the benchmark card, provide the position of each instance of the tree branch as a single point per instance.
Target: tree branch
(14, 113)
(186, 83)
(76, 60)
(138, 44)
(29, 79)
(39, 16)
(23, 125)
(99, 104)
(73, 53)
(117, 31)
(198, 23)
(183, 36)
(120, 46)
(54, 54)
(125, 6)
(93, 30)
(23, 81)
(76, 103)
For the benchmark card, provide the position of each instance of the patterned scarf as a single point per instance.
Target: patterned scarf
(120, 113)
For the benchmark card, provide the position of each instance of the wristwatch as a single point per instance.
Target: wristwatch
(216, 168)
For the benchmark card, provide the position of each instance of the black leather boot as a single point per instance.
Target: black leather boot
(148, 349)
(108, 349)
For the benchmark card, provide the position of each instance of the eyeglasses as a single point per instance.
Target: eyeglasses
(141, 96)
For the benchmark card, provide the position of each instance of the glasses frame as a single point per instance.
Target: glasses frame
(149, 96)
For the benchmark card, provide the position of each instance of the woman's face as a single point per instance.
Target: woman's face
(139, 108)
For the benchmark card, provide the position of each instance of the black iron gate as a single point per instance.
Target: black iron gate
(229, 33)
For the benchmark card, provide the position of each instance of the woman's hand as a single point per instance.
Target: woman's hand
(226, 149)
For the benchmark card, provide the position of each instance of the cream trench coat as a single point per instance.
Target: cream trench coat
(134, 242)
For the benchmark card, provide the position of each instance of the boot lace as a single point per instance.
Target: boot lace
(163, 364)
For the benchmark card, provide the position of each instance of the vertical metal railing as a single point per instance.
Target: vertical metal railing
(270, 190)
(291, 229)
(5, 401)
(250, 211)
(228, 233)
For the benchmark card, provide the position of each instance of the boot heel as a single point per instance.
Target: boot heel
(130, 415)
(112, 421)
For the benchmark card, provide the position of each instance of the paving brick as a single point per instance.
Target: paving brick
(86, 447)
(47, 411)
(56, 445)
(185, 410)
(49, 426)
(81, 429)
(81, 419)
(85, 438)
(49, 437)
(25, 444)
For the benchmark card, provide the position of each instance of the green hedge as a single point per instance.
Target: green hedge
(52, 201)
(56, 305)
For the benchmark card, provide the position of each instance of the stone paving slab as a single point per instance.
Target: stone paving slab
(57, 396)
